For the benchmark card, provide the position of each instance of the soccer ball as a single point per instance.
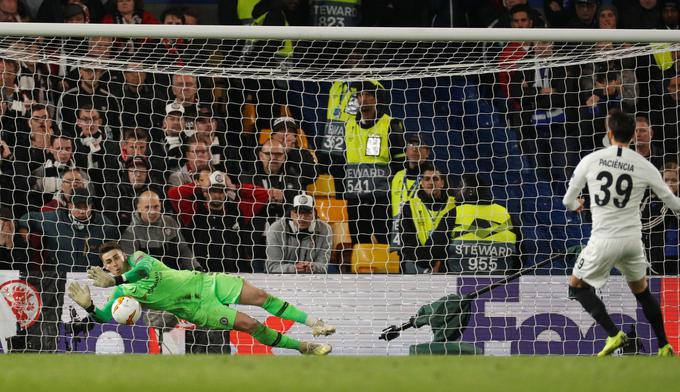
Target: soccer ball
(126, 310)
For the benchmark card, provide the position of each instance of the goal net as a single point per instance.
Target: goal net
(361, 174)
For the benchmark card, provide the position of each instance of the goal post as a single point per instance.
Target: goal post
(435, 161)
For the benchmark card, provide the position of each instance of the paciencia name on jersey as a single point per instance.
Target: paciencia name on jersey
(616, 164)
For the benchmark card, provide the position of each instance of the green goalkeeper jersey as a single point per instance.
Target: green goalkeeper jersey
(159, 287)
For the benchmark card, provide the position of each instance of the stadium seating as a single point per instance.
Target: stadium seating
(374, 259)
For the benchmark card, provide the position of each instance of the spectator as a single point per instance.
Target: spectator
(136, 95)
(157, 234)
(134, 144)
(75, 13)
(544, 97)
(660, 228)
(34, 79)
(213, 129)
(72, 235)
(184, 91)
(664, 115)
(6, 173)
(425, 217)
(190, 16)
(120, 196)
(269, 173)
(504, 20)
(13, 255)
(173, 16)
(299, 243)
(197, 157)
(483, 238)
(12, 11)
(57, 11)
(513, 51)
(557, 12)
(644, 144)
(174, 47)
(608, 18)
(167, 144)
(300, 162)
(14, 103)
(90, 91)
(375, 150)
(31, 150)
(47, 178)
(596, 103)
(89, 143)
(72, 179)
(643, 15)
(213, 222)
(128, 12)
(584, 16)
(670, 17)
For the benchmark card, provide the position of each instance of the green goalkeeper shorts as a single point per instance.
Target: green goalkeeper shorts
(220, 290)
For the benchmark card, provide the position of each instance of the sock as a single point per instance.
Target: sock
(310, 321)
(269, 337)
(595, 307)
(652, 311)
(282, 309)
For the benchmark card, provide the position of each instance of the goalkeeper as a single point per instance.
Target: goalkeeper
(193, 296)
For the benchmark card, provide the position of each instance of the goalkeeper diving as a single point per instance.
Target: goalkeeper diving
(198, 297)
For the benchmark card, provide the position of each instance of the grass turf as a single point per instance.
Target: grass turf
(258, 373)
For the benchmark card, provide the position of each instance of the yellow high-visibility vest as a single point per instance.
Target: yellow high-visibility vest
(426, 220)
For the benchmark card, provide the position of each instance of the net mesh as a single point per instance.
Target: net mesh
(196, 151)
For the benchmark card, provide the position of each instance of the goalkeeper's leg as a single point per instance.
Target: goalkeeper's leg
(251, 295)
(269, 337)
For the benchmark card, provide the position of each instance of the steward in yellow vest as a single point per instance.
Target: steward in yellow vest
(276, 13)
(374, 151)
(406, 182)
(483, 238)
(424, 215)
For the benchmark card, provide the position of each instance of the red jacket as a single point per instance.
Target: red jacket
(511, 54)
(185, 202)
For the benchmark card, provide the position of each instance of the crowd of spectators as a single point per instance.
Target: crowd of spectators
(215, 180)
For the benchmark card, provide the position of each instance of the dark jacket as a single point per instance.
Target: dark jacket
(411, 249)
(72, 245)
(162, 240)
(100, 99)
(661, 235)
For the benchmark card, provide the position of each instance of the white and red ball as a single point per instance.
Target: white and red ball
(126, 310)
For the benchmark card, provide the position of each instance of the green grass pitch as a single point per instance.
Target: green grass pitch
(145, 373)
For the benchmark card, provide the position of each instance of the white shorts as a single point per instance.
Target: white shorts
(598, 258)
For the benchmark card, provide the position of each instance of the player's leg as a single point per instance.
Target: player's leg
(634, 268)
(652, 311)
(251, 295)
(586, 296)
(269, 337)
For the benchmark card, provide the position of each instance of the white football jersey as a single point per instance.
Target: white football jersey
(617, 179)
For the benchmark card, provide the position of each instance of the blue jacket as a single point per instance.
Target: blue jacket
(72, 245)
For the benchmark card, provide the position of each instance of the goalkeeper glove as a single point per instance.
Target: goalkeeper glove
(80, 295)
(100, 278)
